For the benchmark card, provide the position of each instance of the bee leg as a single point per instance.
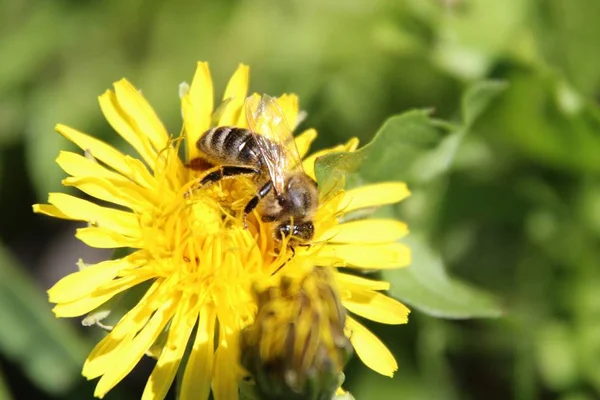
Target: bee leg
(198, 164)
(254, 201)
(225, 171)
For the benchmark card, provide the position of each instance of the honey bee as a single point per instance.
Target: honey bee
(266, 151)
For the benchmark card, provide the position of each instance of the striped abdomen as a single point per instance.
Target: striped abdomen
(226, 145)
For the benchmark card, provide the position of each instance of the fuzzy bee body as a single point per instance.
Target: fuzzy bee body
(268, 152)
(226, 145)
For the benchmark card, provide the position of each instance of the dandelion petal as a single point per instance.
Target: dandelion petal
(51, 211)
(304, 140)
(80, 283)
(375, 195)
(102, 356)
(128, 356)
(197, 108)
(164, 372)
(102, 238)
(225, 373)
(235, 95)
(371, 350)
(198, 373)
(369, 256)
(354, 282)
(100, 150)
(368, 231)
(148, 125)
(125, 127)
(377, 307)
(289, 106)
(75, 208)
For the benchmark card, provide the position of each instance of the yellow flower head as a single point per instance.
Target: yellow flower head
(192, 251)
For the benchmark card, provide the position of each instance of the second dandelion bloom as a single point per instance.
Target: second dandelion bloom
(198, 259)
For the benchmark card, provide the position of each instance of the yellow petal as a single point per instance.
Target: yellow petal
(225, 375)
(289, 105)
(128, 356)
(77, 165)
(101, 357)
(80, 283)
(108, 191)
(87, 174)
(119, 221)
(141, 114)
(179, 333)
(374, 195)
(50, 210)
(198, 372)
(197, 107)
(366, 231)
(304, 140)
(369, 256)
(353, 282)
(377, 307)
(92, 178)
(81, 306)
(94, 300)
(131, 168)
(102, 238)
(235, 95)
(370, 349)
(126, 127)
(136, 318)
(102, 352)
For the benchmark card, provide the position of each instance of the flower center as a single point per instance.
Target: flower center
(199, 242)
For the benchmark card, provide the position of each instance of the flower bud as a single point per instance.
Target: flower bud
(296, 348)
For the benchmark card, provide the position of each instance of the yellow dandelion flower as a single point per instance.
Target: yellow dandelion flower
(194, 253)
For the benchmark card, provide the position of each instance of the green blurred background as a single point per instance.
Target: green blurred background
(515, 211)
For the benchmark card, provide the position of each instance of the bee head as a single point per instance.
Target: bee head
(297, 201)
(300, 198)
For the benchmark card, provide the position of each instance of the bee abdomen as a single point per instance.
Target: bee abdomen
(230, 145)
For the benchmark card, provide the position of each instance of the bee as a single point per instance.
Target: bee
(266, 151)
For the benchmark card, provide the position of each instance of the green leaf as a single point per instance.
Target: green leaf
(410, 147)
(49, 351)
(389, 156)
(478, 97)
(426, 286)
(474, 102)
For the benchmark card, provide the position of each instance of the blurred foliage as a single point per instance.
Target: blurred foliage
(49, 354)
(508, 202)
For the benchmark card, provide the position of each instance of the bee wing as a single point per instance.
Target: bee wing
(274, 137)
